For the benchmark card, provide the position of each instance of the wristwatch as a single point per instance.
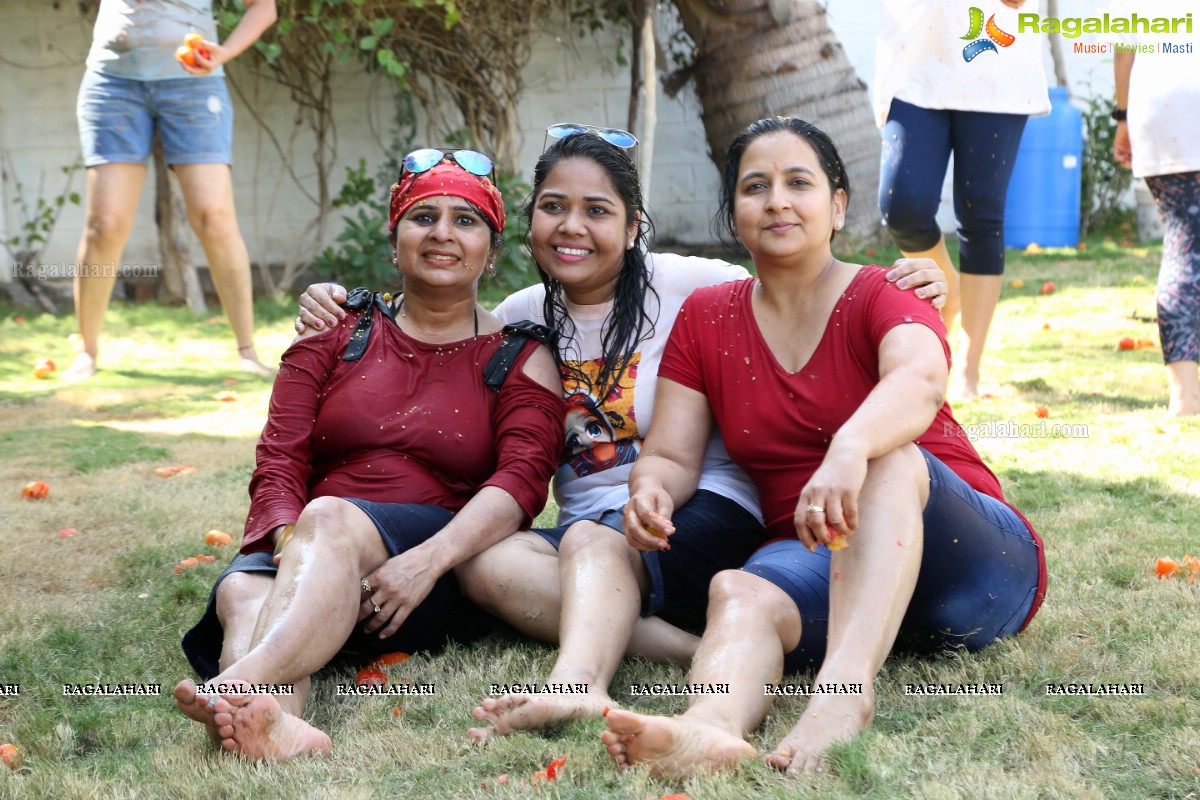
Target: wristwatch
(1119, 114)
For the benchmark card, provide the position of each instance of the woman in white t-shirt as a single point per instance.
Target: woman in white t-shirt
(946, 81)
(1158, 114)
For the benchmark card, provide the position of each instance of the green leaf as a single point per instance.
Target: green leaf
(382, 27)
(368, 42)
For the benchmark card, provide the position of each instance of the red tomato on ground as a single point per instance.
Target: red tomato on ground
(35, 490)
(371, 677)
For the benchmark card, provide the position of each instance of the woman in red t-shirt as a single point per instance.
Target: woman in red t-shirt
(828, 386)
(440, 425)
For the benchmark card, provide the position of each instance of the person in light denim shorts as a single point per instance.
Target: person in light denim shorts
(133, 89)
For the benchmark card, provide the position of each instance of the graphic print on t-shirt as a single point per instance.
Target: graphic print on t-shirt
(600, 434)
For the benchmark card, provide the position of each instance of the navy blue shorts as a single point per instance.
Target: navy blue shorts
(445, 615)
(712, 533)
(978, 580)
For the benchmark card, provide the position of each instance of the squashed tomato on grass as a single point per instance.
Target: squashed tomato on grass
(550, 773)
(35, 490)
(369, 676)
(1166, 568)
(10, 755)
(170, 472)
(68, 532)
(216, 538)
(44, 368)
(390, 660)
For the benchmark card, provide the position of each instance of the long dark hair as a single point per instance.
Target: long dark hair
(818, 140)
(628, 324)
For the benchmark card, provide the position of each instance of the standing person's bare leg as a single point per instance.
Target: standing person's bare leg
(980, 294)
(941, 257)
(109, 209)
(208, 195)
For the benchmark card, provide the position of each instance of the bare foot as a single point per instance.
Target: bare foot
(966, 388)
(673, 747)
(526, 712)
(82, 368)
(252, 365)
(827, 720)
(196, 707)
(255, 726)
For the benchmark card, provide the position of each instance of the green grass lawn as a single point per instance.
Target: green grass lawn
(1110, 483)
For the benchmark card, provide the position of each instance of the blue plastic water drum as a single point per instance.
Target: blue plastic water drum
(1042, 206)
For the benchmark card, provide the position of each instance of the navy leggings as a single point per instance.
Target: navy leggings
(917, 143)
(980, 574)
(1178, 200)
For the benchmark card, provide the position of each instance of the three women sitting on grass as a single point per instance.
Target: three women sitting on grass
(613, 305)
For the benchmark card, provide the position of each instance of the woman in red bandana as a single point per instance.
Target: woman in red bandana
(405, 440)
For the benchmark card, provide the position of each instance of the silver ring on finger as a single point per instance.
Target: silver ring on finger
(366, 586)
(812, 509)
(376, 606)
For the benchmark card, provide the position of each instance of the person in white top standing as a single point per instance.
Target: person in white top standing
(1158, 114)
(134, 87)
(951, 77)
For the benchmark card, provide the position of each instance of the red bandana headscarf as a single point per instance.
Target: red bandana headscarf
(450, 180)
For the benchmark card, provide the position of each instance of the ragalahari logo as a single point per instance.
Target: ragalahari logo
(995, 36)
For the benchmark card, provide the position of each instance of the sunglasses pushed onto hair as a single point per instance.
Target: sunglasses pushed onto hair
(614, 136)
(427, 158)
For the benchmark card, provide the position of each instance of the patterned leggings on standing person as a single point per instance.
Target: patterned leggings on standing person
(1178, 200)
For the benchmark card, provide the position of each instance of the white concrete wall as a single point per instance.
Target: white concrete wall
(568, 79)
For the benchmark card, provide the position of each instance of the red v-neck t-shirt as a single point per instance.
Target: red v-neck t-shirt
(778, 425)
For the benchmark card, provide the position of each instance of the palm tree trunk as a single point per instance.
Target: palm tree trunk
(759, 58)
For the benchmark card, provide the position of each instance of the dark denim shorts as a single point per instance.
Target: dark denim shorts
(444, 616)
(712, 533)
(979, 575)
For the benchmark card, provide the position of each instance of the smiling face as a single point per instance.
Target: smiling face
(579, 230)
(443, 241)
(783, 204)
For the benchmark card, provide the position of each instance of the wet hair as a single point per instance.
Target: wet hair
(628, 324)
(817, 139)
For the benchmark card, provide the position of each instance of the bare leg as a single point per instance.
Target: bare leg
(111, 205)
(517, 580)
(240, 598)
(603, 581)
(980, 294)
(308, 614)
(751, 624)
(256, 726)
(208, 195)
(1183, 382)
(941, 256)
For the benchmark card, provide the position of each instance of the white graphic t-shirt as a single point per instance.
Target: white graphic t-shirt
(604, 434)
